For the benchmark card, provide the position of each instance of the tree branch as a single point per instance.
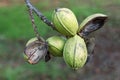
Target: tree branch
(34, 26)
(39, 14)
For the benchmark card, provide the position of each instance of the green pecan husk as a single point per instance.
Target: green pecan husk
(65, 21)
(75, 52)
(56, 45)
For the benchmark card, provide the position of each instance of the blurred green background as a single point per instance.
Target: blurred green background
(16, 29)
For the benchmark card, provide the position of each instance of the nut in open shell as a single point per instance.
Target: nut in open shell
(35, 51)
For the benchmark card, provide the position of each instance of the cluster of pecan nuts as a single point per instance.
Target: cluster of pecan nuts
(72, 45)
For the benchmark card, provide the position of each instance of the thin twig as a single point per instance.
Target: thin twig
(36, 30)
(39, 14)
(33, 24)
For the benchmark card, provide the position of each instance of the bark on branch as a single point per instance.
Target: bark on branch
(39, 14)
